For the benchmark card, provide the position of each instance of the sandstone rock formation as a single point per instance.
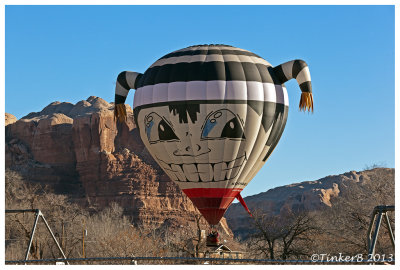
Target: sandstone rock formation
(308, 196)
(80, 151)
(10, 119)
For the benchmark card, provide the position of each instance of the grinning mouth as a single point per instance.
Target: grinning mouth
(204, 172)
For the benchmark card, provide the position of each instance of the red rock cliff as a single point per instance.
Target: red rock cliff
(82, 152)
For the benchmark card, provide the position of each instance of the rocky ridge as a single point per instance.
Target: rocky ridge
(80, 151)
(308, 196)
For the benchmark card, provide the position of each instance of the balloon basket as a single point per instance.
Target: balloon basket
(212, 239)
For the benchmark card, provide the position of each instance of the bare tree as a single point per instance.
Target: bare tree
(188, 238)
(267, 232)
(297, 234)
(284, 236)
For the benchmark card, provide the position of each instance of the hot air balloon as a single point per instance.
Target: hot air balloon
(211, 115)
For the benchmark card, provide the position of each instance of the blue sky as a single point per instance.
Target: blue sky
(68, 53)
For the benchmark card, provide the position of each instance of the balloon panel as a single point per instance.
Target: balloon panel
(210, 118)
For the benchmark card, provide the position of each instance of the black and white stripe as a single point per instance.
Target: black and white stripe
(208, 63)
(207, 71)
(211, 90)
(221, 72)
(211, 58)
(210, 51)
(125, 81)
(297, 69)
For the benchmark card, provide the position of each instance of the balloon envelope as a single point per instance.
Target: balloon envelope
(210, 115)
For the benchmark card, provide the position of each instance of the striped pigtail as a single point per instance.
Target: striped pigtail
(297, 69)
(126, 80)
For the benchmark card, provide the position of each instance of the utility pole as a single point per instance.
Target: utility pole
(83, 238)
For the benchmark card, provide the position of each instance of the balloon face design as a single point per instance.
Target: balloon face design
(193, 151)
(211, 150)
(211, 115)
(203, 144)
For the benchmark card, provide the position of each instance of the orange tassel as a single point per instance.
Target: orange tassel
(306, 102)
(120, 113)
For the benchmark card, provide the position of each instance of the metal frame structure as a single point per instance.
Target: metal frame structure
(38, 214)
(378, 213)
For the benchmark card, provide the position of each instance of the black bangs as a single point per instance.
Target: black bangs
(185, 109)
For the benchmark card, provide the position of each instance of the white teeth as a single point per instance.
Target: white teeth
(205, 172)
(228, 174)
(191, 172)
(178, 171)
(235, 171)
(164, 165)
(230, 164)
(220, 171)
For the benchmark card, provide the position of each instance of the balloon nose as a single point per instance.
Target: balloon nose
(191, 150)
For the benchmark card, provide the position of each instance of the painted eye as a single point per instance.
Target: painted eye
(157, 129)
(165, 132)
(222, 124)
